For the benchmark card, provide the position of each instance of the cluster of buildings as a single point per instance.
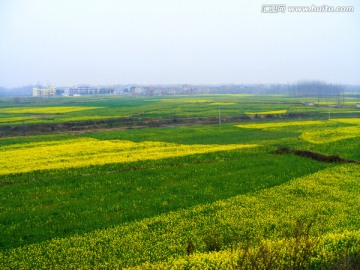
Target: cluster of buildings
(86, 90)
(168, 90)
(302, 89)
(79, 90)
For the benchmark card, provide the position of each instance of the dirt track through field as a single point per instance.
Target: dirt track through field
(315, 156)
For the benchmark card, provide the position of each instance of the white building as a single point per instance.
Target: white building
(44, 92)
(81, 90)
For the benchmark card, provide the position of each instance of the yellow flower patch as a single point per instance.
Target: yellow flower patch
(269, 112)
(330, 134)
(47, 110)
(87, 151)
(281, 124)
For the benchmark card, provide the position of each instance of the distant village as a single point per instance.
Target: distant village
(301, 89)
(162, 90)
(315, 89)
(86, 90)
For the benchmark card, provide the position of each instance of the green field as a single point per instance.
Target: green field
(180, 196)
(76, 109)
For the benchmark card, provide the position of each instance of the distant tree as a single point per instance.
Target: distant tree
(315, 89)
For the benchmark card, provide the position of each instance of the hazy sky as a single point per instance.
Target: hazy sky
(67, 42)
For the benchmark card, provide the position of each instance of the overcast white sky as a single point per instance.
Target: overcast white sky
(67, 42)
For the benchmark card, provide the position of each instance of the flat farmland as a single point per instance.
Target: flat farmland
(180, 195)
(77, 109)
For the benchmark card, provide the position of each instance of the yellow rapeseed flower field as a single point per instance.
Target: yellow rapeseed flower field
(187, 100)
(331, 134)
(281, 124)
(50, 110)
(87, 151)
(222, 103)
(276, 253)
(331, 196)
(13, 119)
(354, 121)
(318, 131)
(269, 112)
